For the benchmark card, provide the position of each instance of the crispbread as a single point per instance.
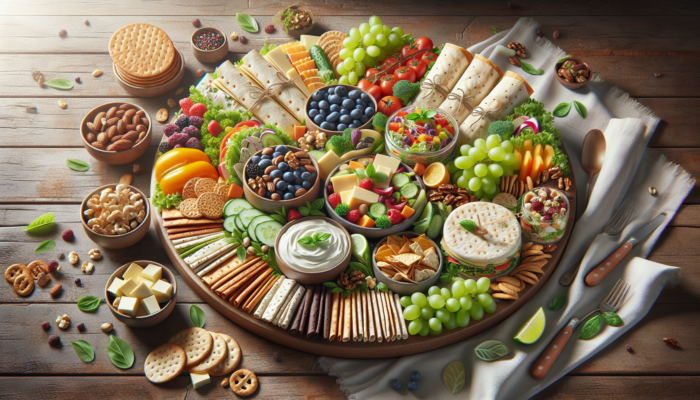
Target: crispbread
(189, 222)
(193, 228)
(171, 213)
(154, 81)
(216, 356)
(188, 190)
(142, 50)
(188, 208)
(233, 357)
(211, 205)
(204, 185)
(165, 363)
(196, 342)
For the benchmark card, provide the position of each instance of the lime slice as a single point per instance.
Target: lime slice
(532, 330)
(360, 248)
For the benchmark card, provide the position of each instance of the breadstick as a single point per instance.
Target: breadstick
(334, 317)
(402, 321)
(382, 313)
(256, 292)
(300, 311)
(341, 318)
(304, 312)
(377, 316)
(268, 296)
(370, 316)
(258, 281)
(237, 281)
(347, 318)
(283, 308)
(278, 300)
(327, 311)
(296, 299)
(388, 300)
(353, 316)
(266, 289)
(227, 271)
(313, 312)
(365, 328)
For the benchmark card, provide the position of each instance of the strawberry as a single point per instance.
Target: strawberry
(186, 104)
(293, 214)
(198, 110)
(367, 184)
(353, 216)
(214, 128)
(394, 216)
(335, 200)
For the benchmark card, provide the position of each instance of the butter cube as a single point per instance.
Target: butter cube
(152, 272)
(141, 292)
(128, 286)
(199, 380)
(162, 290)
(114, 287)
(386, 161)
(132, 272)
(386, 183)
(148, 282)
(362, 196)
(141, 312)
(344, 182)
(150, 304)
(129, 306)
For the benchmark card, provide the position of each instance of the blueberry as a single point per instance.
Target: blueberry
(352, 126)
(276, 174)
(333, 117)
(306, 176)
(369, 111)
(354, 94)
(331, 90)
(327, 126)
(290, 189)
(342, 127)
(255, 159)
(301, 168)
(307, 185)
(268, 194)
(345, 119)
(359, 107)
(355, 114)
(313, 112)
(298, 181)
(356, 122)
(341, 91)
(334, 107)
(264, 163)
(276, 154)
(364, 119)
(334, 99)
(412, 385)
(265, 157)
(414, 376)
(325, 95)
(313, 177)
(297, 187)
(288, 177)
(281, 149)
(281, 185)
(319, 119)
(349, 104)
(323, 105)
(297, 173)
(344, 112)
(313, 104)
(288, 196)
(283, 166)
(317, 95)
(361, 103)
(396, 384)
(365, 97)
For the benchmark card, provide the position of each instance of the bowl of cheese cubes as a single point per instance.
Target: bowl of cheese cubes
(141, 293)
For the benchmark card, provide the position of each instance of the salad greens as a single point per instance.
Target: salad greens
(161, 201)
(267, 47)
(233, 155)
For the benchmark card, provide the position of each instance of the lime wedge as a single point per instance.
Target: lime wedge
(360, 248)
(532, 330)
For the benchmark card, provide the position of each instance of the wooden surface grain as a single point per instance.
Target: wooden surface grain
(627, 43)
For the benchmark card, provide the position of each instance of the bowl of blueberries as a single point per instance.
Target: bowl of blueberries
(334, 108)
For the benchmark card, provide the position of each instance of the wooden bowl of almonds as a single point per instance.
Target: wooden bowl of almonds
(573, 73)
(116, 133)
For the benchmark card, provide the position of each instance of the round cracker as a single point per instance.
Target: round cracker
(526, 246)
(165, 363)
(142, 50)
(188, 208)
(494, 287)
(211, 205)
(233, 357)
(204, 185)
(243, 382)
(196, 342)
(13, 271)
(508, 279)
(504, 296)
(216, 356)
(188, 190)
(222, 189)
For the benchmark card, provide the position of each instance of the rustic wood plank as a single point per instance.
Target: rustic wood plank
(621, 387)
(687, 215)
(690, 160)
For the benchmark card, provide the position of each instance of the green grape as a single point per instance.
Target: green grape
(382, 40)
(358, 54)
(451, 167)
(394, 39)
(491, 307)
(353, 77)
(436, 332)
(458, 289)
(436, 301)
(465, 302)
(497, 153)
(386, 30)
(479, 194)
(376, 29)
(411, 312)
(345, 54)
(454, 177)
(368, 39)
(484, 299)
(442, 315)
(397, 30)
(373, 51)
(464, 162)
(445, 293)
(496, 170)
(462, 182)
(405, 301)
(506, 170)
(433, 290)
(477, 154)
(435, 324)
(470, 285)
(350, 43)
(349, 64)
(477, 311)
(488, 186)
(452, 305)
(368, 61)
(364, 28)
(425, 329)
(481, 143)
(462, 318)
(492, 141)
(483, 285)
(355, 33)
(451, 323)
(375, 20)
(470, 161)
(507, 146)
(464, 149)
(360, 69)
(382, 54)
(509, 159)
(415, 326)
(343, 79)
(481, 170)
(427, 312)
(419, 299)
(342, 70)
(517, 164)
(474, 184)
(468, 173)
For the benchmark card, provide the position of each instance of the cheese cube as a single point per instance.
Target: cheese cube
(133, 272)
(141, 292)
(141, 312)
(127, 287)
(115, 286)
(199, 380)
(386, 183)
(150, 304)
(386, 161)
(129, 306)
(327, 163)
(345, 182)
(345, 196)
(152, 272)
(141, 280)
(162, 290)
(362, 196)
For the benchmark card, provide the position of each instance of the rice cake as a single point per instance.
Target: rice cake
(142, 50)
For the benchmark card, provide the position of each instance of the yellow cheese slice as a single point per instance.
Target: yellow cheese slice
(297, 63)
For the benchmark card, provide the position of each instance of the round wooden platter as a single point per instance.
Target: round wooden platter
(412, 345)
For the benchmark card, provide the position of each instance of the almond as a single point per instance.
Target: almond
(129, 114)
(144, 121)
(90, 137)
(120, 113)
(135, 120)
(102, 138)
(54, 290)
(91, 126)
(116, 138)
(98, 145)
(310, 169)
(112, 121)
(111, 131)
(98, 120)
(131, 135)
(111, 112)
(125, 106)
(141, 128)
(140, 113)
(121, 127)
(141, 135)
(301, 155)
(120, 145)
(300, 192)
(130, 127)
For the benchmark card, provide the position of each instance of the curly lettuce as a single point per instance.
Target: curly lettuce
(161, 201)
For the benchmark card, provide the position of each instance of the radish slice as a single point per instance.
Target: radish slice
(385, 192)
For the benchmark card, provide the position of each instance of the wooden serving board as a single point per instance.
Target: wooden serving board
(414, 344)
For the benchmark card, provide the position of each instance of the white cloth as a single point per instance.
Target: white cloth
(629, 169)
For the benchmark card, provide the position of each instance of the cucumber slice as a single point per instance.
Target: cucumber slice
(376, 210)
(239, 224)
(421, 227)
(234, 206)
(271, 139)
(254, 222)
(409, 190)
(411, 202)
(435, 225)
(346, 172)
(248, 215)
(230, 223)
(420, 201)
(317, 154)
(400, 179)
(267, 231)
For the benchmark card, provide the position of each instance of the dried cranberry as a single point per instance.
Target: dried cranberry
(77, 79)
(81, 327)
(546, 217)
(68, 235)
(196, 23)
(553, 210)
(52, 265)
(537, 206)
(540, 33)
(243, 40)
(46, 325)
(628, 347)
(78, 282)
(270, 28)
(54, 341)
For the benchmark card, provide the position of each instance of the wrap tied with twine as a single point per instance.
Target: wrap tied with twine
(462, 100)
(273, 90)
(433, 87)
(482, 113)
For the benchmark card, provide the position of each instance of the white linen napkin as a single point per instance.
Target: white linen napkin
(629, 169)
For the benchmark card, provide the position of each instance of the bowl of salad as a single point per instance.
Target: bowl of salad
(421, 135)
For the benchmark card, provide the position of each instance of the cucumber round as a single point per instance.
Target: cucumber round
(239, 223)
(267, 231)
(230, 223)
(409, 190)
(235, 206)
(400, 179)
(248, 215)
(376, 210)
(254, 222)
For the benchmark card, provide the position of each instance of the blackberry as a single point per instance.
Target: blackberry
(178, 138)
(163, 147)
(192, 131)
(169, 129)
(194, 143)
(183, 121)
(253, 171)
(196, 121)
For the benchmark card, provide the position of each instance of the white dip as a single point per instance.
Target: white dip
(320, 257)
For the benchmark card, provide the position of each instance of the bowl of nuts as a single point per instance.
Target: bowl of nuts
(572, 73)
(115, 216)
(116, 133)
(295, 21)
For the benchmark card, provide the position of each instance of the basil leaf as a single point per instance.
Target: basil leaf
(491, 350)
(591, 327)
(412, 116)
(307, 241)
(120, 353)
(321, 237)
(468, 225)
(382, 286)
(530, 69)
(89, 303)
(83, 350)
(370, 170)
(454, 376)
(580, 108)
(612, 319)
(361, 173)
(380, 177)
(41, 222)
(562, 110)
(317, 204)
(282, 220)
(304, 211)
(337, 290)
(557, 303)
(429, 113)
(330, 284)
(247, 22)
(61, 84)
(241, 253)
(561, 60)
(197, 316)
(363, 288)
(45, 246)
(316, 212)
(77, 165)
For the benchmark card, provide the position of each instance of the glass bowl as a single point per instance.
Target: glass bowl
(548, 231)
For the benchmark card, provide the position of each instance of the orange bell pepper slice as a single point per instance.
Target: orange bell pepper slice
(176, 179)
(226, 138)
(176, 158)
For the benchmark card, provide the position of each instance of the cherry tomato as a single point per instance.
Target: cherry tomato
(423, 43)
(375, 92)
(394, 126)
(429, 57)
(407, 50)
(364, 84)
(389, 105)
(418, 66)
(369, 72)
(405, 74)
(386, 83)
(402, 113)
(385, 66)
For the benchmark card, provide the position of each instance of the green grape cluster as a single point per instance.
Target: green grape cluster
(444, 308)
(481, 166)
(366, 46)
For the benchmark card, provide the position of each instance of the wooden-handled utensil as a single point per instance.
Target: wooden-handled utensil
(592, 156)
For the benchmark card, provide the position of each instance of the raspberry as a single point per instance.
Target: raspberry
(54, 341)
(178, 138)
(537, 206)
(81, 327)
(68, 235)
(45, 326)
(366, 183)
(169, 129)
(214, 128)
(330, 189)
(546, 217)
(193, 143)
(52, 265)
(334, 200)
(183, 121)
(178, 146)
(192, 131)
(553, 210)
(198, 110)
(394, 216)
(293, 214)
(353, 216)
(186, 104)
(196, 121)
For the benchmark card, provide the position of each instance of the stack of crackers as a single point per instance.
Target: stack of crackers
(332, 42)
(201, 210)
(407, 260)
(144, 56)
(241, 283)
(532, 260)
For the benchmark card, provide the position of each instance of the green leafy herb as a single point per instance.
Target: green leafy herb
(120, 353)
(280, 216)
(312, 208)
(361, 173)
(468, 225)
(454, 376)
(44, 221)
(316, 238)
(267, 47)
(612, 319)
(162, 201)
(240, 252)
(321, 237)
(494, 30)
(381, 286)
(562, 110)
(591, 327)
(45, 246)
(583, 112)
(421, 114)
(247, 22)
(61, 84)
(89, 303)
(530, 69)
(272, 262)
(491, 350)
(372, 173)
(197, 316)
(561, 60)
(83, 350)
(77, 165)
(557, 303)
(356, 266)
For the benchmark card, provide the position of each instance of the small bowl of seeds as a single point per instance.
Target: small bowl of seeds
(209, 45)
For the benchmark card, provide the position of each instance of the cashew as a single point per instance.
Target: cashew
(98, 229)
(92, 223)
(134, 197)
(104, 194)
(141, 216)
(134, 224)
(130, 212)
(89, 212)
(110, 229)
(115, 211)
(139, 205)
(121, 227)
(115, 216)
(121, 187)
(93, 204)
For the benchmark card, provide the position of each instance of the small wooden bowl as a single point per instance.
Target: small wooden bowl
(272, 206)
(406, 288)
(313, 127)
(117, 241)
(146, 320)
(115, 157)
(296, 32)
(209, 56)
(153, 91)
(567, 84)
(313, 278)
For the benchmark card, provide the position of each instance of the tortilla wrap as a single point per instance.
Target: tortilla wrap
(448, 68)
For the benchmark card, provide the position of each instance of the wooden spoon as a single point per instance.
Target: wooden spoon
(592, 156)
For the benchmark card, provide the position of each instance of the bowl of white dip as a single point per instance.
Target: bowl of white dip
(313, 250)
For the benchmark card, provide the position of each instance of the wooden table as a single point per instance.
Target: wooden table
(627, 44)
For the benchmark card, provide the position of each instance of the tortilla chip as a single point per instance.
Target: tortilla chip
(416, 249)
(383, 248)
(416, 239)
(393, 239)
(383, 255)
(401, 277)
(431, 259)
(425, 244)
(405, 249)
(407, 259)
